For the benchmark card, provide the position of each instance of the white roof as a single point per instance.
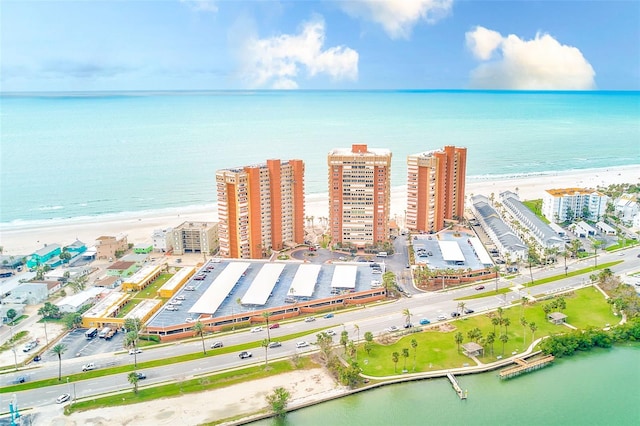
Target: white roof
(304, 282)
(344, 276)
(143, 308)
(484, 257)
(263, 284)
(80, 299)
(175, 280)
(211, 300)
(451, 251)
(557, 228)
(106, 305)
(143, 274)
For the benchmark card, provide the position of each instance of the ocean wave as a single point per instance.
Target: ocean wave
(47, 208)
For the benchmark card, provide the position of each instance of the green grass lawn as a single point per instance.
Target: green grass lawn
(437, 349)
(151, 291)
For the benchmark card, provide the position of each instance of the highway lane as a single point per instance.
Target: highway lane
(375, 318)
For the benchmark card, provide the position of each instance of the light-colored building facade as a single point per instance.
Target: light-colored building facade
(435, 188)
(195, 237)
(162, 240)
(359, 195)
(569, 204)
(107, 246)
(626, 208)
(260, 208)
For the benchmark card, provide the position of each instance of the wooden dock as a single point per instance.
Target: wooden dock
(454, 382)
(524, 366)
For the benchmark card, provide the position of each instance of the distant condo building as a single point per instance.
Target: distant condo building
(260, 208)
(195, 237)
(435, 188)
(569, 204)
(359, 195)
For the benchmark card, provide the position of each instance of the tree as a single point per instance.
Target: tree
(357, 328)
(395, 357)
(504, 339)
(496, 270)
(133, 379)
(405, 355)
(59, 349)
(596, 245)
(49, 310)
(265, 345)
(414, 345)
(351, 349)
(266, 316)
(130, 341)
(11, 315)
(523, 321)
(461, 306)
(491, 338)
(79, 283)
(368, 337)
(495, 321)
(459, 338)
(407, 315)
(65, 255)
(278, 401)
(72, 320)
(344, 339)
(533, 328)
(506, 322)
(325, 343)
(198, 329)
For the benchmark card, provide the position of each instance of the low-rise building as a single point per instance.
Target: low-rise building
(506, 240)
(44, 255)
(626, 207)
(73, 303)
(195, 237)
(122, 269)
(108, 246)
(143, 248)
(162, 240)
(142, 278)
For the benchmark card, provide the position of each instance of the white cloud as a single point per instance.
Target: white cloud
(398, 17)
(277, 62)
(202, 5)
(538, 64)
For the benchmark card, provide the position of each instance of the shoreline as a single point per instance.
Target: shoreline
(23, 238)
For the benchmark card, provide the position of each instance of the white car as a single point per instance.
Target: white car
(177, 302)
(302, 344)
(331, 332)
(442, 317)
(135, 351)
(392, 329)
(181, 297)
(256, 329)
(172, 308)
(63, 398)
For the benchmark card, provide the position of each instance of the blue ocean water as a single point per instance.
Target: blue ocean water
(85, 154)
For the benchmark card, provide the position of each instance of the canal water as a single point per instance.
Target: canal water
(601, 387)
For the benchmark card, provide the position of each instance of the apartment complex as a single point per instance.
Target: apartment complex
(359, 195)
(569, 204)
(195, 237)
(260, 208)
(435, 188)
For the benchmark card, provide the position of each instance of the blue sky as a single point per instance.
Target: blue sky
(51, 45)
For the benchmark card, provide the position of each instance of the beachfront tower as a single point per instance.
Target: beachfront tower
(260, 208)
(435, 188)
(359, 195)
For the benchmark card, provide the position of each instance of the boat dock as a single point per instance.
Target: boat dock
(454, 382)
(524, 366)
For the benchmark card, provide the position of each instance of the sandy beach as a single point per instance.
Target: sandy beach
(139, 227)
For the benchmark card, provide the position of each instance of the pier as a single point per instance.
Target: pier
(522, 366)
(454, 382)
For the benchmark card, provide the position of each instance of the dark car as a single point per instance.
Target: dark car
(468, 311)
(480, 287)
(141, 376)
(408, 325)
(245, 354)
(274, 325)
(455, 314)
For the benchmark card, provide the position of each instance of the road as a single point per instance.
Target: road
(374, 318)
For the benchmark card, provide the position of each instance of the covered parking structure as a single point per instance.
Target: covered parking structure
(344, 277)
(451, 252)
(263, 284)
(211, 300)
(304, 282)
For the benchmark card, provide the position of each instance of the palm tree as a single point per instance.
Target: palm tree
(596, 245)
(405, 355)
(266, 316)
(523, 303)
(198, 329)
(496, 269)
(459, 338)
(461, 307)
(504, 339)
(491, 338)
(357, 328)
(495, 321)
(533, 327)
(506, 322)
(523, 321)
(407, 315)
(265, 345)
(414, 345)
(133, 379)
(395, 357)
(59, 349)
(130, 340)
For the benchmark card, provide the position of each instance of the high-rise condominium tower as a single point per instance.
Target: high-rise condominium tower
(359, 195)
(260, 208)
(435, 188)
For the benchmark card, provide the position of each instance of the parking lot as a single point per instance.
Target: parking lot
(78, 345)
